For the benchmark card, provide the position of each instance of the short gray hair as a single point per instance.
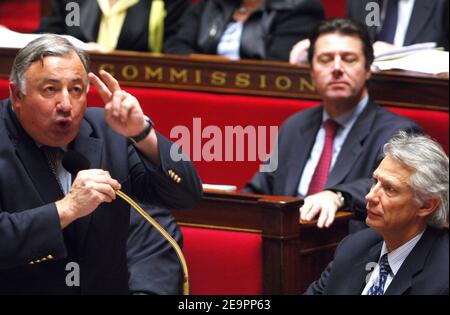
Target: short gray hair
(430, 163)
(46, 45)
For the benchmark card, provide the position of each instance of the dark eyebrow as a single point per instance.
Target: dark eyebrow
(78, 80)
(48, 80)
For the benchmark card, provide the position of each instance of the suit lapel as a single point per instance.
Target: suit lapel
(91, 148)
(373, 29)
(361, 270)
(132, 30)
(413, 264)
(302, 146)
(352, 147)
(33, 160)
(90, 16)
(419, 18)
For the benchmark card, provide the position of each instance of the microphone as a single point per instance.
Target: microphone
(73, 162)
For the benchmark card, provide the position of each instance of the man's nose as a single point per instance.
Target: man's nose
(372, 196)
(337, 66)
(64, 102)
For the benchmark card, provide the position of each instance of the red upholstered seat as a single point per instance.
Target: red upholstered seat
(170, 108)
(4, 89)
(334, 8)
(223, 262)
(174, 108)
(435, 123)
(20, 15)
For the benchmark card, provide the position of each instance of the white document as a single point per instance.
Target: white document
(400, 52)
(431, 61)
(220, 187)
(12, 39)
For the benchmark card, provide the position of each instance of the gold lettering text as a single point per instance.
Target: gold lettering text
(198, 76)
(218, 78)
(308, 84)
(107, 67)
(130, 72)
(262, 81)
(242, 80)
(283, 83)
(150, 73)
(175, 75)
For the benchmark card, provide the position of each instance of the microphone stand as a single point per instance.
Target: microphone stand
(164, 233)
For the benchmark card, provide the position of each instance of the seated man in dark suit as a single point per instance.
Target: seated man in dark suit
(394, 23)
(327, 154)
(245, 29)
(405, 250)
(404, 22)
(153, 264)
(141, 25)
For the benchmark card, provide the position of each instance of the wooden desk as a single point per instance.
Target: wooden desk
(248, 77)
(294, 254)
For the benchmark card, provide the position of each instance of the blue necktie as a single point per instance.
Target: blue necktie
(378, 287)
(387, 32)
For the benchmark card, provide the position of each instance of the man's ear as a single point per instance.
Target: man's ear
(15, 94)
(428, 207)
(368, 74)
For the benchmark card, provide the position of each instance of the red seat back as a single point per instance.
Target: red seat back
(20, 15)
(223, 262)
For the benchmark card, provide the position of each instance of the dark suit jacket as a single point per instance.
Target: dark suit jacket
(361, 153)
(134, 33)
(29, 223)
(153, 265)
(424, 271)
(269, 33)
(429, 20)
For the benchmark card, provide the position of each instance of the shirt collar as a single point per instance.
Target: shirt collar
(398, 255)
(350, 116)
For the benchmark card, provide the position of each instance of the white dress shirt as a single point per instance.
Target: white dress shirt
(405, 8)
(64, 177)
(395, 259)
(346, 122)
(230, 42)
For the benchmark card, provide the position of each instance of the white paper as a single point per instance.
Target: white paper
(220, 187)
(12, 39)
(430, 61)
(400, 52)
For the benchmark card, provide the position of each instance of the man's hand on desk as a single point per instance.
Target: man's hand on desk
(93, 46)
(326, 203)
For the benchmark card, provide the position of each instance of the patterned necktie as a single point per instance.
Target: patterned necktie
(387, 32)
(378, 287)
(54, 155)
(320, 176)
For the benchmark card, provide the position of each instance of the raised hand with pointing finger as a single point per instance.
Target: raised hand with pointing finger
(124, 114)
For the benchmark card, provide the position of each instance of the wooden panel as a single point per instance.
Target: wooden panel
(249, 77)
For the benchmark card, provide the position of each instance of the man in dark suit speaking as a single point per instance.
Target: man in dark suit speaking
(328, 153)
(53, 223)
(405, 250)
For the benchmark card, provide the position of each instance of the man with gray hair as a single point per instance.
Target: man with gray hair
(406, 249)
(63, 233)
